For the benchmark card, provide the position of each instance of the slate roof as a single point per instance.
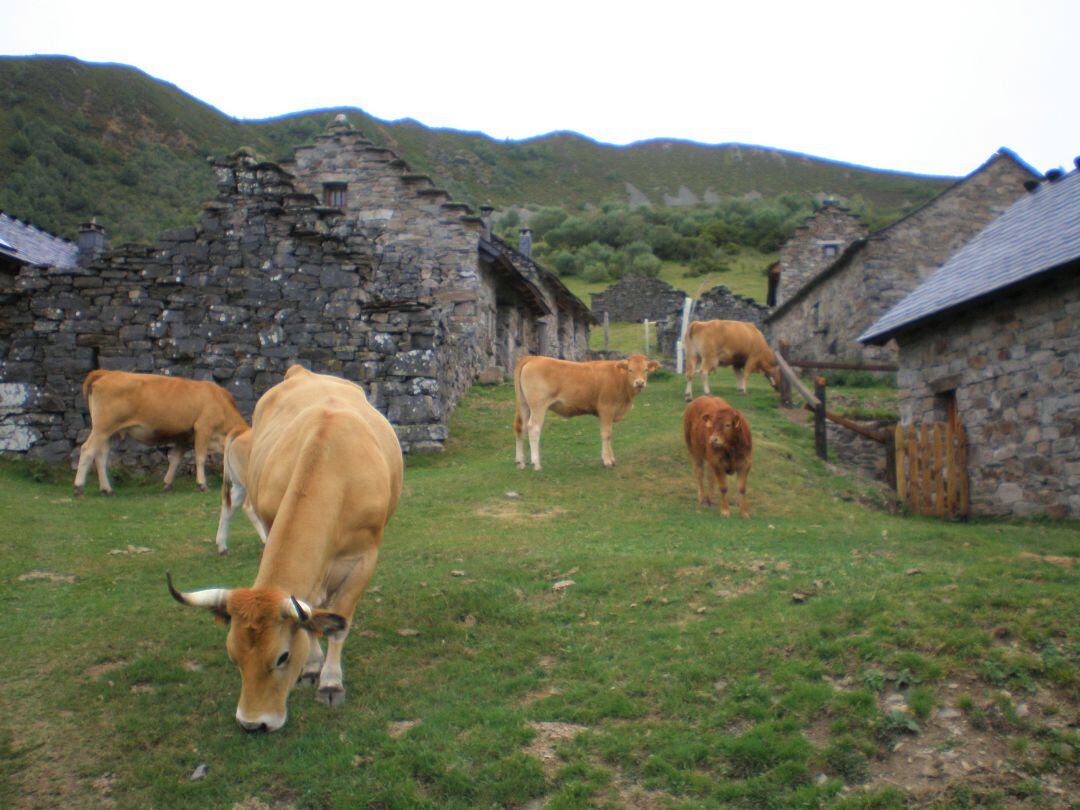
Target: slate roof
(24, 243)
(1038, 233)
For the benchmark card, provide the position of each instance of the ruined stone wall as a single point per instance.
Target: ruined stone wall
(635, 299)
(267, 279)
(817, 243)
(824, 321)
(1014, 364)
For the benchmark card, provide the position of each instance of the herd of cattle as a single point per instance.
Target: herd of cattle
(319, 474)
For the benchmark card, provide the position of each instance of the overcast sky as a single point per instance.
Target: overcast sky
(932, 87)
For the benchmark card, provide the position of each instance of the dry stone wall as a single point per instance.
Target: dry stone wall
(1014, 365)
(717, 304)
(635, 299)
(267, 279)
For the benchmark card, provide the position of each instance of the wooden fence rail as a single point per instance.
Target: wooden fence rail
(931, 469)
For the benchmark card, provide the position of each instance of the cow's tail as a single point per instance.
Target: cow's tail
(519, 398)
(690, 350)
(88, 384)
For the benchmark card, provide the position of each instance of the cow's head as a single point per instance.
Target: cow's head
(637, 368)
(269, 639)
(722, 428)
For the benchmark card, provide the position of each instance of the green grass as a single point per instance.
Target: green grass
(746, 277)
(694, 676)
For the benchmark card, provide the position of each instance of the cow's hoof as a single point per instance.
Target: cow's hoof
(610, 465)
(536, 468)
(107, 493)
(203, 488)
(725, 513)
(222, 552)
(332, 696)
(309, 678)
(80, 491)
(688, 398)
(521, 465)
(167, 488)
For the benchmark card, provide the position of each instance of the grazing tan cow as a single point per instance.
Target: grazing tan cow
(604, 388)
(233, 489)
(155, 410)
(718, 438)
(727, 343)
(324, 475)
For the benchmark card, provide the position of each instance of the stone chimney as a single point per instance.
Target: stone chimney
(91, 241)
(525, 243)
(485, 214)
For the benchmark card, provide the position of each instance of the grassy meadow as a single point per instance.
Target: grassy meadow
(827, 651)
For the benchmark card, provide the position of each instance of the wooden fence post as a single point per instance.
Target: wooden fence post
(890, 459)
(820, 441)
(900, 448)
(607, 330)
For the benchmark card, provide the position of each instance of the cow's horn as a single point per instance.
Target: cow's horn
(212, 598)
(302, 611)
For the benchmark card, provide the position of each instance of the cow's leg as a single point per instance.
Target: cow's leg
(331, 685)
(521, 422)
(314, 664)
(705, 379)
(87, 454)
(176, 453)
(202, 450)
(101, 462)
(721, 479)
(740, 376)
(691, 369)
(536, 424)
(607, 455)
(702, 490)
(231, 494)
(744, 473)
(253, 516)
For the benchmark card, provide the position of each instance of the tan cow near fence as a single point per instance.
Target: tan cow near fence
(718, 438)
(727, 343)
(603, 388)
(324, 474)
(234, 471)
(155, 410)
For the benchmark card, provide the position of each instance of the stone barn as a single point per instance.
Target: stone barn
(835, 281)
(992, 340)
(342, 260)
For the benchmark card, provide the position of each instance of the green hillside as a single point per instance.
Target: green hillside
(79, 139)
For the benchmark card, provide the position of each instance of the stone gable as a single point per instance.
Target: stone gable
(817, 243)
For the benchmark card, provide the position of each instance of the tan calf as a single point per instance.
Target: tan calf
(603, 388)
(718, 438)
(324, 475)
(710, 344)
(155, 410)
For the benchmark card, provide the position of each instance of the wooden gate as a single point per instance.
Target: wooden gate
(931, 469)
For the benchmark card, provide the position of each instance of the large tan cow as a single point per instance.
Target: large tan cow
(233, 487)
(603, 388)
(727, 343)
(155, 410)
(324, 475)
(718, 439)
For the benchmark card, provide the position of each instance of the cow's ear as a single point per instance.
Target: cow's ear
(622, 365)
(326, 623)
(707, 419)
(735, 423)
(653, 365)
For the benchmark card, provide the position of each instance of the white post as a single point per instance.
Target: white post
(646, 323)
(687, 308)
(607, 327)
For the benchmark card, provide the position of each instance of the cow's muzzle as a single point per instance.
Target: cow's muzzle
(639, 385)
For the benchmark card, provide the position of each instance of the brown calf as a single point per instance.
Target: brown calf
(718, 438)
(604, 388)
(155, 410)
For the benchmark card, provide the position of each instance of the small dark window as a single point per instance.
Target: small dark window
(829, 250)
(335, 195)
(945, 409)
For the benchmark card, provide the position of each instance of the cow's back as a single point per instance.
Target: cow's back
(739, 340)
(170, 405)
(575, 388)
(317, 431)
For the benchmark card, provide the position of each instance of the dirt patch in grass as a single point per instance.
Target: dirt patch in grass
(46, 576)
(548, 736)
(517, 514)
(1063, 562)
(104, 668)
(539, 694)
(400, 728)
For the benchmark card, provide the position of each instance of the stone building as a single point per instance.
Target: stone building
(816, 244)
(407, 294)
(824, 316)
(992, 341)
